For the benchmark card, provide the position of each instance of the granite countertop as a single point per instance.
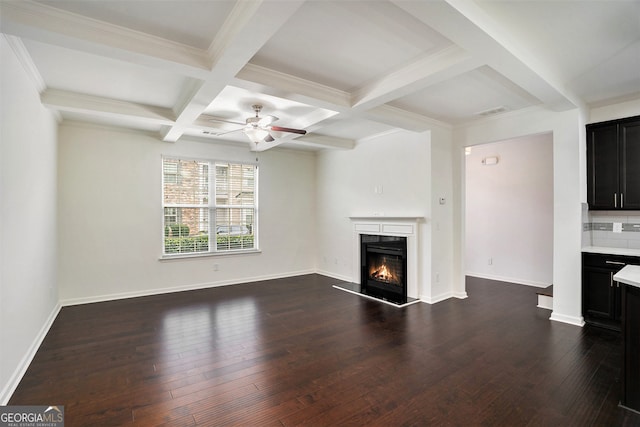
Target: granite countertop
(611, 251)
(629, 275)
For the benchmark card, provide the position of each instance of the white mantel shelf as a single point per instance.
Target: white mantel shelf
(387, 225)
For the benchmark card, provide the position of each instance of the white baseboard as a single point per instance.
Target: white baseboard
(545, 301)
(192, 287)
(437, 298)
(461, 295)
(571, 320)
(509, 280)
(22, 367)
(334, 276)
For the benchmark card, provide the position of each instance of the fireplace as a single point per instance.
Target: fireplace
(385, 251)
(384, 267)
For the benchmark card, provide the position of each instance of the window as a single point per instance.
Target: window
(206, 202)
(170, 172)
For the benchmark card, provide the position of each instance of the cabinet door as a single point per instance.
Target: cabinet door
(630, 164)
(598, 296)
(631, 340)
(617, 301)
(602, 166)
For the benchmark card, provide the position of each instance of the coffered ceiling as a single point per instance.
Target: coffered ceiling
(342, 70)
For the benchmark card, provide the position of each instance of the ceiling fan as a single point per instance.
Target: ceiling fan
(258, 129)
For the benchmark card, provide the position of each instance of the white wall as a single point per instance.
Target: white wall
(509, 211)
(28, 291)
(569, 190)
(111, 217)
(442, 231)
(400, 164)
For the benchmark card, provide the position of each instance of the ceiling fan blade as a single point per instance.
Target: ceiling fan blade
(290, 130)
(266, 120)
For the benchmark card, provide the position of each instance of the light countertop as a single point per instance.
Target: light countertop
(611, 251)
(629, 275)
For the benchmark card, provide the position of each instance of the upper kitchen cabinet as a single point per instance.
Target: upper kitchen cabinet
(613, 165)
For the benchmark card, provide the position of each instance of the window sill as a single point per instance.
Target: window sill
(208, 255)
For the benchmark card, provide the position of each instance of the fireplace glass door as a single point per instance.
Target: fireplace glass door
(384, 267)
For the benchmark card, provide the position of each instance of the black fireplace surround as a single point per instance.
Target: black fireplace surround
(384, 267)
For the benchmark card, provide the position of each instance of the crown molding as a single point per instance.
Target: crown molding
(379, 135)
(404, 119)
(341, 100)
(505, 115)
(98, 106)
(26, 61)
(324, 141)
(66, 29)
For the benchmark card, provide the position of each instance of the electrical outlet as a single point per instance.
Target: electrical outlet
(216, 267)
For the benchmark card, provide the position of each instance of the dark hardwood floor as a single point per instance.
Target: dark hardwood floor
(298, 352)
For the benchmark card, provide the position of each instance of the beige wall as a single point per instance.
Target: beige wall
(28, 190)
(111, 217)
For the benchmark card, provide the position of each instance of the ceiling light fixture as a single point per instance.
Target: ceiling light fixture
(256, 134)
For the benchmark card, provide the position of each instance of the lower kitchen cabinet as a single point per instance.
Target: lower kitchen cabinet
(601, 295)
(631, 339)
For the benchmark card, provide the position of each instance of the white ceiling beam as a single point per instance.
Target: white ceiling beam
(60, 100)
(275, 83)
(324, 141)
(425, 71)
(54, 26)
(247, 28)
(310, 140)
(469, 26)
(403, 119)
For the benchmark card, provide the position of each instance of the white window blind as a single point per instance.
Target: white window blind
(208, 206)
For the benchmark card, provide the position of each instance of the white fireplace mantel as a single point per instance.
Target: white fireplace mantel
(406, 226)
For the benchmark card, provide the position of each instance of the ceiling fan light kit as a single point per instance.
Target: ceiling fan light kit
(258, 128)
(256, 134)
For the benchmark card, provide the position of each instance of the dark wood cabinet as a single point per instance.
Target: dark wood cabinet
(601, 295)
(613, 164)
(631, 358)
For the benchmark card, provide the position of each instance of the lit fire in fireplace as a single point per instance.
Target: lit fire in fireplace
(384, 272)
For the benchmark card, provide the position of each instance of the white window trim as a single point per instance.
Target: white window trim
(211, 206)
